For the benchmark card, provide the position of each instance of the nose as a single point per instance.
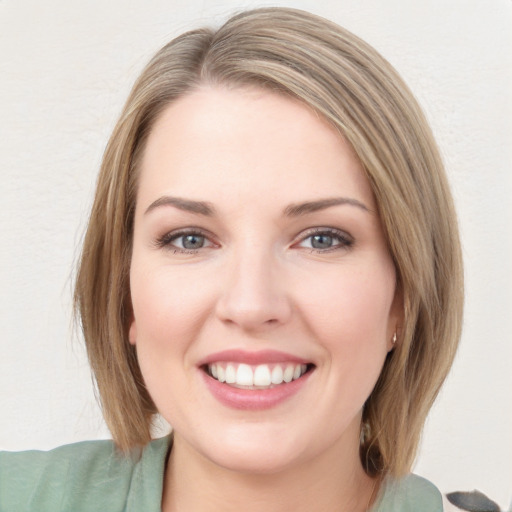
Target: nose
(254, 296)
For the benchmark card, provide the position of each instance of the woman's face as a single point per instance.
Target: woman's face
(263, 292)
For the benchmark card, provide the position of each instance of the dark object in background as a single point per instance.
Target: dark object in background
(474, 501)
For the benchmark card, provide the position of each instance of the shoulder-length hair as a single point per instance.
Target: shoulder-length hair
(347, 82)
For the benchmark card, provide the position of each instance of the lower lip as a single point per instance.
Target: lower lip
(253, 399)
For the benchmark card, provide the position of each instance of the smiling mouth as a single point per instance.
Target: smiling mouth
(261, 376)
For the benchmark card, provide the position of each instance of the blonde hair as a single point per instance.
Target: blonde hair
(347, 82)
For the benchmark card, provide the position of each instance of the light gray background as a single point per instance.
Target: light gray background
(65, 70)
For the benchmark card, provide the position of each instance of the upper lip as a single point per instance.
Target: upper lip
(254, 358)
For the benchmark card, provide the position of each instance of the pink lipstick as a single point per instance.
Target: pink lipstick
(254, 380)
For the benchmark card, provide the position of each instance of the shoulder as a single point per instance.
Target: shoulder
(411, 493)
(84, 476)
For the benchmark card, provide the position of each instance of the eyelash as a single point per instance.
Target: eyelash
(166, 240)
(345, 241)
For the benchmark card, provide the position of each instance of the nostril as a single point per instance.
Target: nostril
(253, 301)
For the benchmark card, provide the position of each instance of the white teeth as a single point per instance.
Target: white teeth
(277, 375)
(244, 376)
(230, 374)
(288, 373)
(262, 375)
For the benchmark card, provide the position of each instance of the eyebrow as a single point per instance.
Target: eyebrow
(187, 205)
(296, 210)
(293, 210)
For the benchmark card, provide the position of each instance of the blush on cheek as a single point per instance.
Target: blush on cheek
(353, 322)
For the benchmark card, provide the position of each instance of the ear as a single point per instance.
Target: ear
(132, 332)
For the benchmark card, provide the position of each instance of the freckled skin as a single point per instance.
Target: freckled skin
(258, 283)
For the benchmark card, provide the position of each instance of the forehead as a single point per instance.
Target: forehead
(218, 141)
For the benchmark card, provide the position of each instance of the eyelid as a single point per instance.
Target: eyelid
(167, 238)
(346, 238)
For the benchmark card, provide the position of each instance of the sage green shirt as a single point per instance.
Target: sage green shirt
(92, 476)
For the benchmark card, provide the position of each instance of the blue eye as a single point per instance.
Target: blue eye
(184, 241)
(323, 240)
(191, 241)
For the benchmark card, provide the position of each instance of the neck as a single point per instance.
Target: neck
(195, 484)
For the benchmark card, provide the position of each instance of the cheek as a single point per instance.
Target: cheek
(350, 312)
(169, 310)
(350, 320)
(169, 307)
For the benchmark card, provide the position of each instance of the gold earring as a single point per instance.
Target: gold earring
(394, 339)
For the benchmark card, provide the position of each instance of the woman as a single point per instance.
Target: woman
(272, 264)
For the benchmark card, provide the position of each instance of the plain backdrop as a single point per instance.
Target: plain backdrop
(65, 71)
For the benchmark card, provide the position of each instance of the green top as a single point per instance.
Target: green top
(92, 476)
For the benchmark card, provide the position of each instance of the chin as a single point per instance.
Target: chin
(253, 460)
(254, 452)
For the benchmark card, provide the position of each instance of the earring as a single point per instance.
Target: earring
(393, 340)
(365, 432)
